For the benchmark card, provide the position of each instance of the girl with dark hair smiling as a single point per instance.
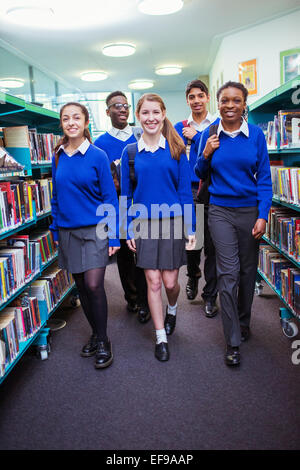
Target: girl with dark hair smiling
(82, 182)
(236, 161)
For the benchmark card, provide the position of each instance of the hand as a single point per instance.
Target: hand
(259, 228)
(212, 144)
(112, 250)
(191, 244)
(56, 244)
(189, 132)
(131, 245)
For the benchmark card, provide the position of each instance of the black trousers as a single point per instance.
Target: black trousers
(237, 259)
(210, 290)
(132, 278)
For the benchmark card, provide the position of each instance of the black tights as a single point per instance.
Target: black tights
(90, 285)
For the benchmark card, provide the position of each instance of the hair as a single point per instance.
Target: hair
(196, 84)
(64, 139)
(231, 84)
(175, 142)
(113, 94)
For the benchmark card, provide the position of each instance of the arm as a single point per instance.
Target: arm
(264, 187)
(185, 195)
(126, 193)
(54, 204)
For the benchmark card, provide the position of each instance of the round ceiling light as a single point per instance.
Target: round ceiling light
(159, 7)
(118, 50)
(11, 82)
(168, 70)
(30, 15)
(93, 76)
(140, 84)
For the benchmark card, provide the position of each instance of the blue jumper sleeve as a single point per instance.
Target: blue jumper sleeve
(263, 178)
(54, 204)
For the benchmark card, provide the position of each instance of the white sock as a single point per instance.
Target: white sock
(172, 310)
(161, 336)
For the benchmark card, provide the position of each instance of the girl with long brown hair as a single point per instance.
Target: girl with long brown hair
(82, 182)
(163, 188)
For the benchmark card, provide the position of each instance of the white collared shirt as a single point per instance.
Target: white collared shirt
(244, 129)
(121, 134)
(203, 124)
(82, 148)
(143, 146)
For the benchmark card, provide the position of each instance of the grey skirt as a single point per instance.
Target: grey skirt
(161, 246)
(80, 249)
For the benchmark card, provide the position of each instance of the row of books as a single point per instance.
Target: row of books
(21, 258)
(41, 146)
(18, 322)
(282, 275)
(16, 201)
(52, 286)
(284, 130)
(283, 229)
(286, 183)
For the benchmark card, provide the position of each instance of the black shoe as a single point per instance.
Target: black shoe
(132, 307)
(210, 308)
(192, 287)
(232, 356)
(245, 333)
(170, 323)
(162, 352)
(104, 355)
(90, 348)
(143, 314)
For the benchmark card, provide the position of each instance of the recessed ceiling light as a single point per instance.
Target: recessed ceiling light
(93, 76)
(118, 50)
(30, 15)
(140, 84)
(11, 82)
(168, 70)
(160, 7)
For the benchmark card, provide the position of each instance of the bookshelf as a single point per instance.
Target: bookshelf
(279, 260)
(24, 235)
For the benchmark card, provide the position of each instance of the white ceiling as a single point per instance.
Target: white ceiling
(189, 38)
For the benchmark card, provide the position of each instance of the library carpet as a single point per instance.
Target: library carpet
(191, 402)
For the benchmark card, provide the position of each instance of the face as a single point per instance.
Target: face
(119, 117)
(197, 100)
(73, 122)
(151, 117)
(231, 105)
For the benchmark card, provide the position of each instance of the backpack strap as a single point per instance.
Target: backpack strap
(213, 129)
(131, 150)
(185, 123)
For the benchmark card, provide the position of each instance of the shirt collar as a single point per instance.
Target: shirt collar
(203, 124)
(143, 146)
(82, 148)
(244, 129)
(115, 132)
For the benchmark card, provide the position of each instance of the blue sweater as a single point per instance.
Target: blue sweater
(193, 149)
(113, 146)
(240, 171)
(160, 180)
(81, 184)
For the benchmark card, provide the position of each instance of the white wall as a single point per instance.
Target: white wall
(263, 42)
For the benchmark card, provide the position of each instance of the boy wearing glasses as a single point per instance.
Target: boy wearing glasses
(113, 142)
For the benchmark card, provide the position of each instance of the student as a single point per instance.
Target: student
(113, 142)
(82, 182)
(162, 177)
(197, 98)
(237, 161)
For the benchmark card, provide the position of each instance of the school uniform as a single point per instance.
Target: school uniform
(161, 182)
(132, 278)
(82, 182)
(210, 290)
(240, 192)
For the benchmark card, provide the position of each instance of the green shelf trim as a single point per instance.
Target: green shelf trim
(20, 227)
(13, 112)
(289, 307)
(295, 150)
(20, 290)
(295, 207)
(283, 252)
(282, 92)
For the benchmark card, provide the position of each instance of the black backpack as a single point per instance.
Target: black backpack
(203, 194)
